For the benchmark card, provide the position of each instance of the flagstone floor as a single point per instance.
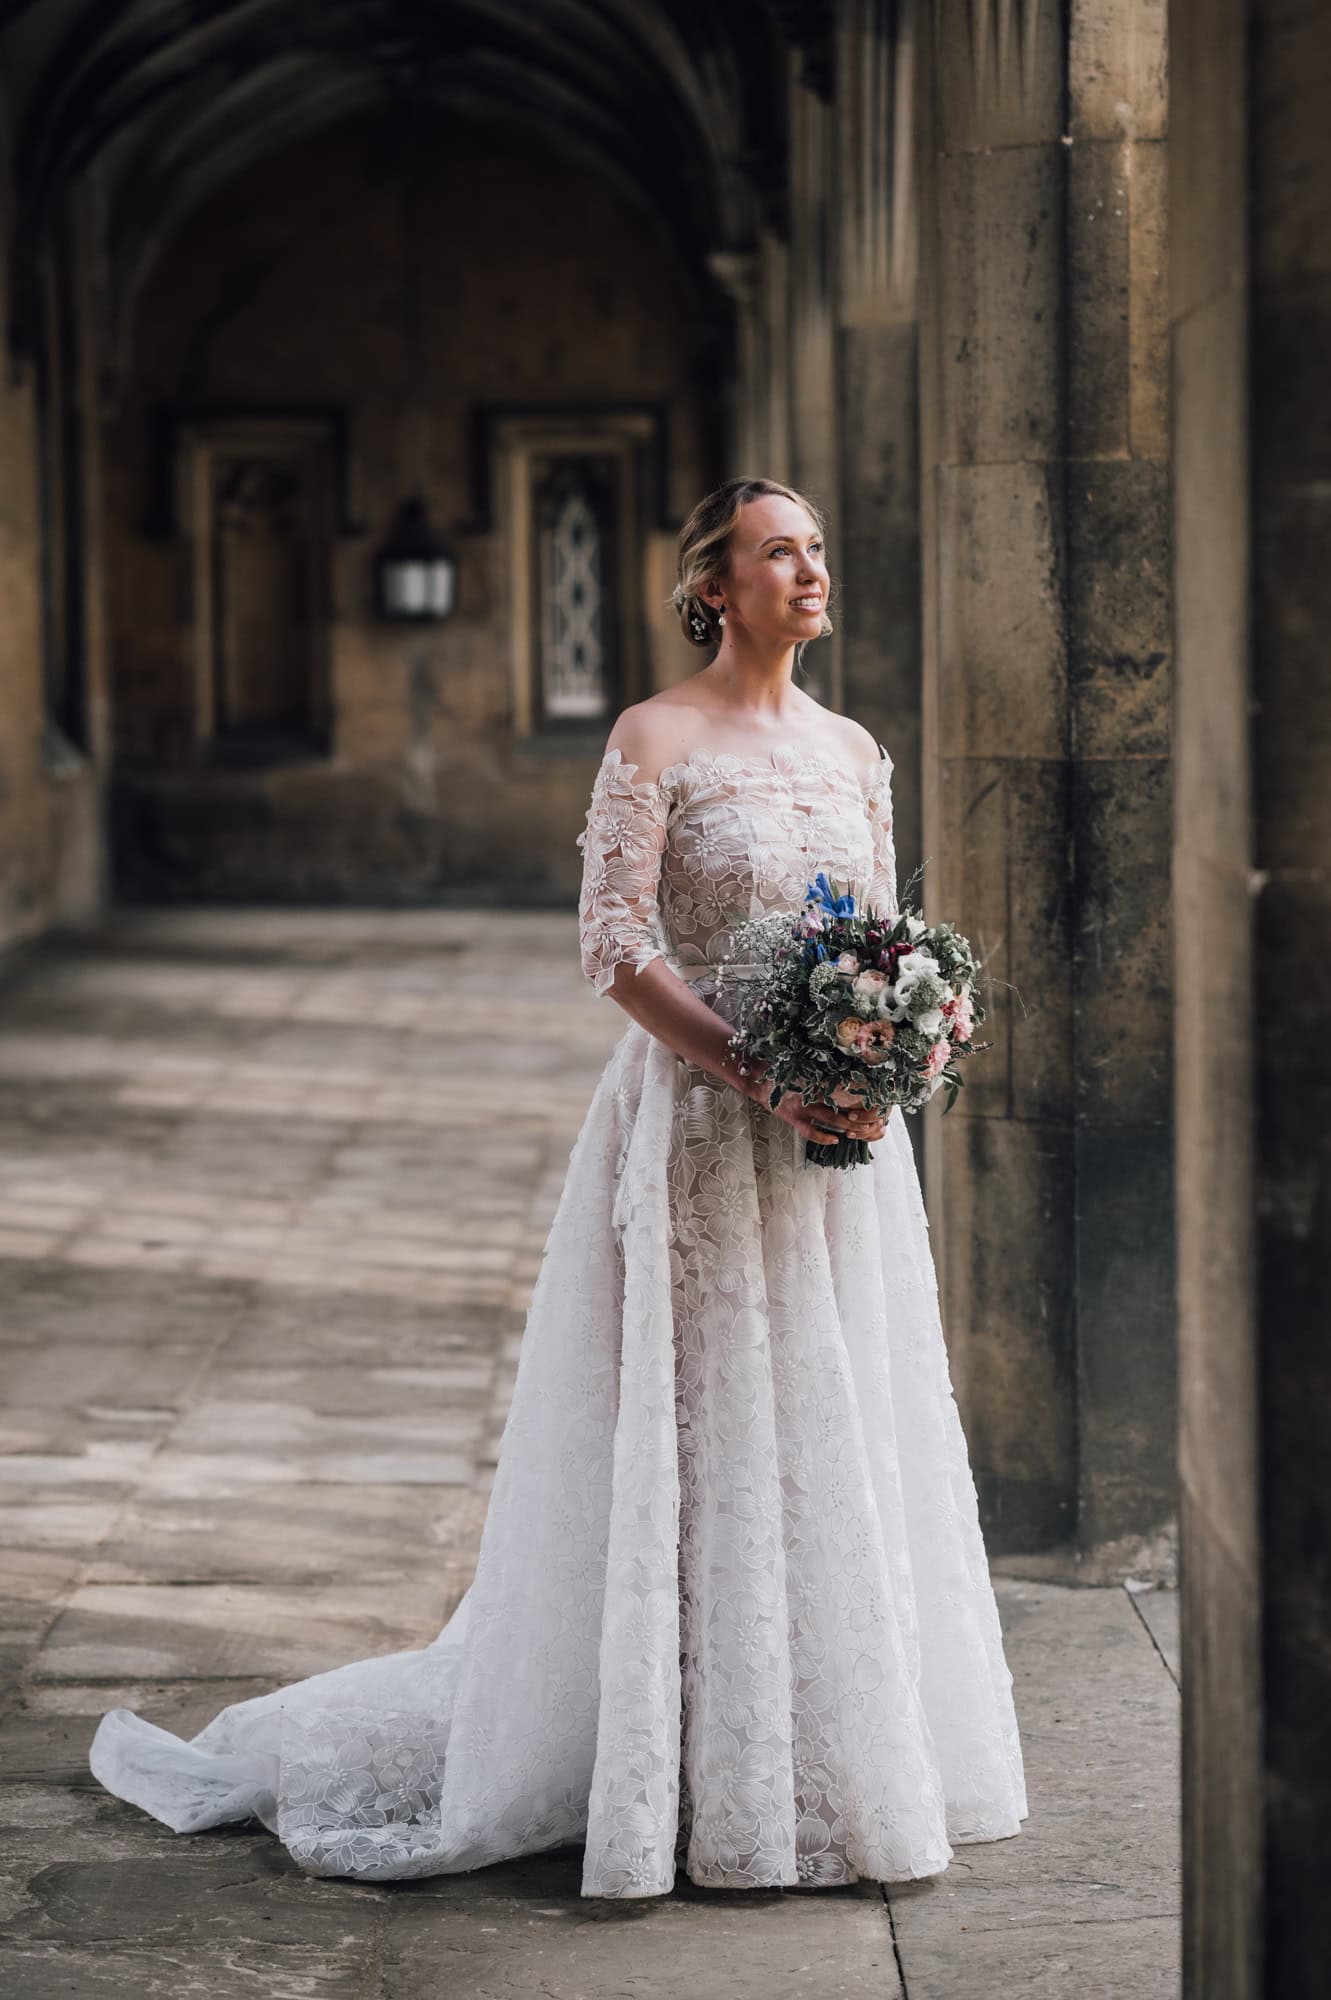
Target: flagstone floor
(273, 1190)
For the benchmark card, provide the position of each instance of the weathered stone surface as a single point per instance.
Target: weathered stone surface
(51, 1301)
(1127, 1390)
(1000, 275)
(262, 1970)
(1120, 644)
(876, 597)
(522, 1930)
(1099, 283)
(1005, 878)
(49, 834)
(1118, 73)
(1122, 926)
(1002, 660)
(1056, 1960)
(289, 1533)
(1289, 717)
(1099, 1733)
(1152, 245)
(184, 1631)
(996, 85)
(1014, 1350)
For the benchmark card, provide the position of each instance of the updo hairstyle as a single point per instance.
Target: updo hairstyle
(704, 552)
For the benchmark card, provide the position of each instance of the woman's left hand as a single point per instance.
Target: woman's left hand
(869, 1123)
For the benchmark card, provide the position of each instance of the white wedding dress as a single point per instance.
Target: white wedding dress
(732, 1610)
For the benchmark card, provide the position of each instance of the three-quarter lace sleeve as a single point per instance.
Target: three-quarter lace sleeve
(882, 891)
(622, 845)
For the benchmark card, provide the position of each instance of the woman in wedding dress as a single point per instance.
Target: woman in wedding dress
(732, 1609)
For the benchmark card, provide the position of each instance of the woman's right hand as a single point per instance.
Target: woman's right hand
(820, 1122)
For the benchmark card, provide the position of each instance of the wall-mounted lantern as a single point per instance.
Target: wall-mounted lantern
(415, 574)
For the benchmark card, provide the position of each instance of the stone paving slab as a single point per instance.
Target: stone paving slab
(290, 1533)
(265, 1251)
(520, 1930)
(183, 1631)
(1098, 1855)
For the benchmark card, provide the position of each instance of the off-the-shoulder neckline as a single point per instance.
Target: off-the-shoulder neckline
(812, 759)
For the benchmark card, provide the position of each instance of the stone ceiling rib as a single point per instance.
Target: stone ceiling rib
(671, 102)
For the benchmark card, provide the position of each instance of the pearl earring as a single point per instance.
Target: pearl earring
(721, 615)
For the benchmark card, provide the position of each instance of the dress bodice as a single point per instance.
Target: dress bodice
(671, 864)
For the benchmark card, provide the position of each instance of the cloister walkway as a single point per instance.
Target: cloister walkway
(273, 1190)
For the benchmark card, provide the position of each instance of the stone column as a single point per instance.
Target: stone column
(1250, 180)
(1046, 755)
(814, 429)
(877, 540)
(757, 283)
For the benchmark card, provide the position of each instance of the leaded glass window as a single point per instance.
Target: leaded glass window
(576, 589)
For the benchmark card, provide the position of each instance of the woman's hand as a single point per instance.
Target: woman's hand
(820, 1122)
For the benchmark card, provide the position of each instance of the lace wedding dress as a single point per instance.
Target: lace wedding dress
(732, 1610)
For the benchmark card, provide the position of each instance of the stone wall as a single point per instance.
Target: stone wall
(538, 284)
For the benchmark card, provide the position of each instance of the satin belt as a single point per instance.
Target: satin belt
(744, 969)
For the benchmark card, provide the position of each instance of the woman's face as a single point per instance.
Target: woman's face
(776, 584)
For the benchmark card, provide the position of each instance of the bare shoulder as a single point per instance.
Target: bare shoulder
(862, 745)
(853, 741)
(655, 733)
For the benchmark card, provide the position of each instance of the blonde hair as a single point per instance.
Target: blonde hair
(704, 552)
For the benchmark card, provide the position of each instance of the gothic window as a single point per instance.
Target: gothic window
(576, 589)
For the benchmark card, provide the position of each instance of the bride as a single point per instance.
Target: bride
(732, 1610)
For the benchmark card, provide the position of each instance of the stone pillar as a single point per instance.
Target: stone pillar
(877, 523)
(80, 847)
(814, 429)
(1250, 182)
(757, 283)
(1046, 755)
(24, 803)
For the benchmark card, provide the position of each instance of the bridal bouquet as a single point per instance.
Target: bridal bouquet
(837, 996)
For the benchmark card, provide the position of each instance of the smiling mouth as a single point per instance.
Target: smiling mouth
(807, 603)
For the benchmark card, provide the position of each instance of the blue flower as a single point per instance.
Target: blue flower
(819, 892)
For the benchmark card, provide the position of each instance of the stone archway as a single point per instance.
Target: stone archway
(131, 127)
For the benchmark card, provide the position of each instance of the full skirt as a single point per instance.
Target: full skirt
(732, 1609)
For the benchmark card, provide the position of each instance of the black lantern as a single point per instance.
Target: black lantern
(415, 573)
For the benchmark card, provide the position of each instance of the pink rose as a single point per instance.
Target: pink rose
(871, 1042)
(847, 962)
(848, 1030)
(937, 1059)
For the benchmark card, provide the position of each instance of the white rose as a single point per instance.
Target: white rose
(930, 1023)
(896, 1003)
(918, 961)
(915, 927)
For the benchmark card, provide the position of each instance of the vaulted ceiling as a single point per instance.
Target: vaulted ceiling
(151, 104)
